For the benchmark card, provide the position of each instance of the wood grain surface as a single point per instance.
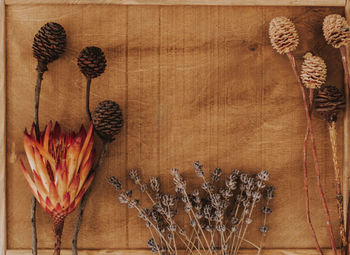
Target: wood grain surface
(188, 2)
(195, 83)
(3, 230)
(147, 252)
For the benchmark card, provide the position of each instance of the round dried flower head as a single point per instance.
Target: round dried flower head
(313, 71)
(49, 43)
(92, 62)
(283, 35)
(328, 102)
(336, 30)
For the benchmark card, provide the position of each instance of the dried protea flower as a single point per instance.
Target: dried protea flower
(107, 119)
(60, 170)
(283, 35)
(313, 71)
(49, 43)
(329, 101)
(336, 30)
(92, 62)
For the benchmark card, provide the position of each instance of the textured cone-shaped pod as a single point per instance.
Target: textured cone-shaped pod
(107, 119)
(328, 102)
(313, 71)
(336, 30)
(283, 35)
(92, 62)
(49, 43)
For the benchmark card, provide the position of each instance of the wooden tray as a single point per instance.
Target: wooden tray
(195, 82)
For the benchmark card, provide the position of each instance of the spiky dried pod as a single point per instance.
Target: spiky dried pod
(329, 101)
(336, 30)
(49, 43)
(313, 71)
(283, 35)
(92, 62)
(107, 119)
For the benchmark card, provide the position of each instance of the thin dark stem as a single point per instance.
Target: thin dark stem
(33, 223)
(37, 134)
(84, 201)
(314, 153)
(36, 104)
(58, 229)
(88, 83)
(306, 183)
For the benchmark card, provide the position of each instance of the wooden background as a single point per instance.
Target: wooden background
(195, 83)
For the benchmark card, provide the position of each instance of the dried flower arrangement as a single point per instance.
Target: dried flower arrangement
(217, 218)
(62, 165)
(328, 102)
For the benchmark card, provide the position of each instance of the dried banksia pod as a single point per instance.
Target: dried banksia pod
(49, 43)
(107, 119)
(313, 71)
(336, 30)
(329, 101)
(92, 62)
(283, 35)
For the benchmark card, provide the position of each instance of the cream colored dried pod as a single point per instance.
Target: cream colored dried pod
(336, 30)
(283, 35)
(313, 71)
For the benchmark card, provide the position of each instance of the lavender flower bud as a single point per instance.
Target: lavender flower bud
(269, 192)
(263, 175)
(134, 175)
(123, 198)
(263, 229)
(266, 210)
(198, 169)
(115, 182)
(248, 221)
(154, 184)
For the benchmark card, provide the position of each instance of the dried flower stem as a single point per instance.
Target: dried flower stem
(346, 169)
(306, 183)
(37, 133)
(84, 201)
(339, 195)
(88, 84)
(58, 229)
(314, 151)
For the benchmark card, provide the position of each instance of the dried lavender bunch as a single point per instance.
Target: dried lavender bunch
(218, 213)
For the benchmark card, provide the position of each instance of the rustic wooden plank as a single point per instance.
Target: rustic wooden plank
(147, 252)
(143, 106)
(195, 83)
(346, 169)
(188, 2)
(3, 232)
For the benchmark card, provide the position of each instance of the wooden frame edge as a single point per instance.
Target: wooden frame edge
(340, 3)
(147, 252)
(3, 232)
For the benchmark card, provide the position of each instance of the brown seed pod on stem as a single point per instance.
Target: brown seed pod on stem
(92, 63)
(48, 44)
(329, 101)
(284, 39)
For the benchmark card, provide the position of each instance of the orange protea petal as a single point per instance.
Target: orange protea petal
(61, 181)
(28, 148)
(84, 172)
(46, 155)
(81, 193)
(39, 184)
(41, 169)
(53, 194)
(29, 180)
(66, 201)
(73, 187)
(41, 200)
(87, 141)
(72, 158)
(47, 136)
(88, 152)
